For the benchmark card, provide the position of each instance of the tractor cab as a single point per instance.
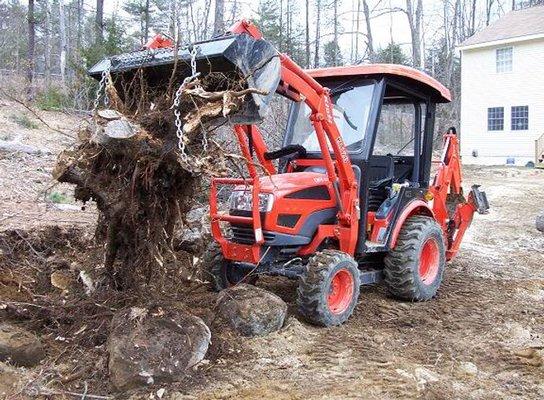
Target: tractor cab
(385, 115)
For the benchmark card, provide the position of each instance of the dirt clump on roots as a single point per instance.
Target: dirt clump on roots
(142, 161)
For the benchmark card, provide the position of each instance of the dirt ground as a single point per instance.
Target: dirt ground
(473, 341)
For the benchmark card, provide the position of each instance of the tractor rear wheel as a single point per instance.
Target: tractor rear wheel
(222, 273)
(328, 290)
(414, 268)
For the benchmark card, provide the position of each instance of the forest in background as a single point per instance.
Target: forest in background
(47, 45)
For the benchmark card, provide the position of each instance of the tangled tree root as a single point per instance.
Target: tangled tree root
(130, 162)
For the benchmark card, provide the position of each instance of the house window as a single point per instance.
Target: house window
(495, 119)
(504, 59)
(520, 118)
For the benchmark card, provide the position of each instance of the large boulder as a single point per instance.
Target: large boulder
(251, 311)
(154, 345)
(19, 346)
(539, 222)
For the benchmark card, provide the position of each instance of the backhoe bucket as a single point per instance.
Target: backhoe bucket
(235, 55)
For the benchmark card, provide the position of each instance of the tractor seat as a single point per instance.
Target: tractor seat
(381, 170)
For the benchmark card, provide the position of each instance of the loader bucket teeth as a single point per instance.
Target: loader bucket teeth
(255, 60)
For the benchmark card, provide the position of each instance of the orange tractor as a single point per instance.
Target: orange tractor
(348, 200)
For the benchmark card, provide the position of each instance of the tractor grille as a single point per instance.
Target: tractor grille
(246, 235)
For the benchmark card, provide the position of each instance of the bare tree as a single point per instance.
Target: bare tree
(31, 48)
(307, 37)
(146, 21)
(99, 21)
(415, 17)
(335, 32)
(357, 30)
(219, 19)
(47, 43)
(79, 23)
(488, 10)
(369, 37)
(317, 33)
(63, 42)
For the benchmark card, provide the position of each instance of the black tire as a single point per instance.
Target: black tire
(316, 287)
(407, 273)
(221, 273)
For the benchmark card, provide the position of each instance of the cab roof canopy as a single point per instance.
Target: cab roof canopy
(410, 76)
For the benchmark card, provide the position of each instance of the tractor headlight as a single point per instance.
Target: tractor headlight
(242, 200)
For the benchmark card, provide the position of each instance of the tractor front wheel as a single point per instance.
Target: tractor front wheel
(414, 268)
(222, 273)
(328, 290)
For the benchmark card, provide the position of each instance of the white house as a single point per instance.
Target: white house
(502, 91)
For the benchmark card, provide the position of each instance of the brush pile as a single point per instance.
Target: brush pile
(142, 161)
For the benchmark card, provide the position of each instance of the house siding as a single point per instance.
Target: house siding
(482, 87)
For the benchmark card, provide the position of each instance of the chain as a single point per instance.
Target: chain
(177, 113)
(102, 88)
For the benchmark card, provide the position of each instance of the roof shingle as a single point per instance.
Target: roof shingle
(529, 21)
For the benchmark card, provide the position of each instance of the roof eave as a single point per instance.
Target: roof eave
(500, 42)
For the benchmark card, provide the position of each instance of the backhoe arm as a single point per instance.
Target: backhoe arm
(451, 209)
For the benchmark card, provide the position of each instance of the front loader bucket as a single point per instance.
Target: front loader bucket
(241, 55)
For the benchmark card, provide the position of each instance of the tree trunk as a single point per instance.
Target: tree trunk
(488, 7)
(317, 33)
(79, 23)
(31, 49)
(47, 43)
(473, 18)
(63, 44)
(369, 38)
(219, 19)
(99, 21)
(357, 28)
(280, 40)
(146, 27)
(307, 41)
(335, 33)
(414, 21)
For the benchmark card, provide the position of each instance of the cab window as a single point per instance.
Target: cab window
(351, 110)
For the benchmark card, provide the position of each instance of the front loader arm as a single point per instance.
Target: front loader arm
(298, 85)
(452, 211)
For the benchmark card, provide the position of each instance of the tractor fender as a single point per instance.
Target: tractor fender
(415, 207)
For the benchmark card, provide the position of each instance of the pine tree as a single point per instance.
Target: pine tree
(140, 12)
(331, 54)
(392, 54)
(268, 21)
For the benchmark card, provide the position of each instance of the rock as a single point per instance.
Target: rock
(423, 375)
(109, 114)
(539, 222)
(19, 346)
(195, 235)
(468, 368)
(155, 344)
(11, 381)
(531, 356)
(62, 279)
(119, 129)
(250, 310)
(66, 207)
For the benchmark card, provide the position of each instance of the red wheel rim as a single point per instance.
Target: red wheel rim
(340, 292)
(429, 261)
